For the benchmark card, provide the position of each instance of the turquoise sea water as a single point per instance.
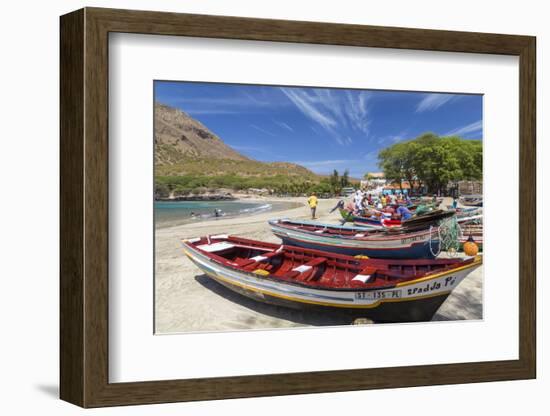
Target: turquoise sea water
(168, 214)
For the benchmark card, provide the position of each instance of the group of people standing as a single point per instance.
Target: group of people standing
(363, 201)
(370, 204)
(367, 204)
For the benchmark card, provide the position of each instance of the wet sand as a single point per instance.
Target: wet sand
(187, 300)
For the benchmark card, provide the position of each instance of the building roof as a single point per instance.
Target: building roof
(376, 175)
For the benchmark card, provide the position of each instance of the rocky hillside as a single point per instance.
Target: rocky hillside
(179, 136)
(184, 146)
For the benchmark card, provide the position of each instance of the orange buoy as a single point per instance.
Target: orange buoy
(470, 247)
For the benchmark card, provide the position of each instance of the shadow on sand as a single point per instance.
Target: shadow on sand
(300, 316)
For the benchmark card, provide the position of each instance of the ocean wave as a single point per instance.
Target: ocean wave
(244, 211)
(264, 207)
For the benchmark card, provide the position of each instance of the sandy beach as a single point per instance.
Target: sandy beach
(186, 300)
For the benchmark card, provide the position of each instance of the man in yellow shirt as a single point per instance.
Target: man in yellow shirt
(312, 202)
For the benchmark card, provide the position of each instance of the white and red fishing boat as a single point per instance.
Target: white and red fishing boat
(383, 290)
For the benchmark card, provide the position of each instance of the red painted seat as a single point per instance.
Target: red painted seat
(310, 269)
(369, 270)
(253, 263)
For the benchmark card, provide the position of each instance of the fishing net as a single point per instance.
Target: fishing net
(448, 233)
(421, 209)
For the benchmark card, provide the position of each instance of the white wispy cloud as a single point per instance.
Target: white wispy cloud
(262, 130)
(358, 111)
(393, 138)
(469, 128)
(432, 102)
(308, 106)
(284, 125)
(333, 111)
(240, 103)
(327, 164)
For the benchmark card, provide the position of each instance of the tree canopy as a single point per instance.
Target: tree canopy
(432, 161)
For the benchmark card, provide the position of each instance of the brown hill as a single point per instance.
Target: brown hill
(184, 146)
(179, 136)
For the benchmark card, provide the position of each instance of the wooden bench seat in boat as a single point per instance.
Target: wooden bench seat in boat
(254, 262)
(306, 272)
(364, 277)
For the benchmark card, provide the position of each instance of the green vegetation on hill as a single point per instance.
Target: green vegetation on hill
(195, 176)
(278, 184)
(220, 167)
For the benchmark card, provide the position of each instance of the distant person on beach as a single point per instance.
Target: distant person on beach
(217, 212)
(364, 203)
(358, 200)
(455, 203)
(312, 202)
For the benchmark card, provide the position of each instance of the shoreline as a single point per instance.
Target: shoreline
(188, 301)
(270, 206)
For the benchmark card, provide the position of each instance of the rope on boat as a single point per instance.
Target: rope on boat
(439, 239)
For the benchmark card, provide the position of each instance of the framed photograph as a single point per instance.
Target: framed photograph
(255, 207)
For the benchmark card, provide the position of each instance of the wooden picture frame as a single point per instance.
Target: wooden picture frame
(84, 207)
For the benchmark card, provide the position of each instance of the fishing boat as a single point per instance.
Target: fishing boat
(389, 244)
(375, 222)
(427, 201)
(466, 211)
(382, 290)
(426, 219)
(472, 200)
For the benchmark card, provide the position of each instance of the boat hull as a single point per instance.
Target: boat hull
(420, 245)
(419, 310)
(415, 300)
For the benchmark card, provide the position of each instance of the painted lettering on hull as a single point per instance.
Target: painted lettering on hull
(377, 295)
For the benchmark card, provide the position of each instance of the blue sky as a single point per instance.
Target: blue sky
(321, 128)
